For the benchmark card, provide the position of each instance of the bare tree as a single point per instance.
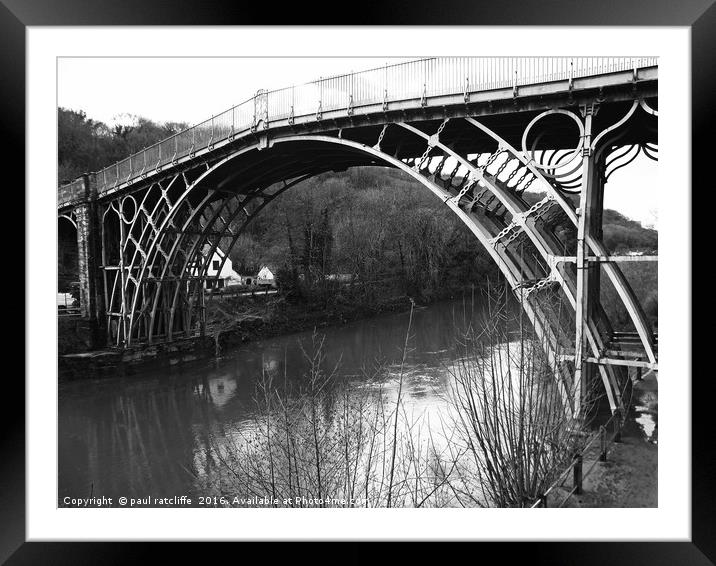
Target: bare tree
(511, 422)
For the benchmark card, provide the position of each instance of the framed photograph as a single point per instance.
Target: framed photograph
(359, 283)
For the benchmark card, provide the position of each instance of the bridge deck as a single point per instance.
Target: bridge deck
(433, 88)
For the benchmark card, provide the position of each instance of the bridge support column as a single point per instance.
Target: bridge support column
(589, 224)
(91, 300)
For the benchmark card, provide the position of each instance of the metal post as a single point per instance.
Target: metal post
(266, 110)
(202, 314)
(319, 112)
(349, 110)
(588, 218)
(577, 474)
(582, 288)
(125, 340)
(293, 105)
(603, 443)
(618, 426)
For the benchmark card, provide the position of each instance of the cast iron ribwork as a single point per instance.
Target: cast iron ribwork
(159, 235)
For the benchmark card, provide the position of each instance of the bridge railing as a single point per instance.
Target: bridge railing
(71, 192)
(607, 434)
(419, 79)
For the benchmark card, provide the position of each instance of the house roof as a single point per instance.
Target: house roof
(207, 247)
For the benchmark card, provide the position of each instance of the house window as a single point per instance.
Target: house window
(220, 283)
(215, 265)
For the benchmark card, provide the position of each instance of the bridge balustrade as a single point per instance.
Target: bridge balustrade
(413, 80)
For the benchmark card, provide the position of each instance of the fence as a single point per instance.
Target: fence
(577, 465)
(71, 192)
(413, 80)
(66, 305)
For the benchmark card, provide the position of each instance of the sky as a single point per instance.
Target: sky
(192, 89)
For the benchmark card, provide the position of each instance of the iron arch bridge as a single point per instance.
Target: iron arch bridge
(478, 133)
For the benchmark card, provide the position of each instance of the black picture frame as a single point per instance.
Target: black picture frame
(699, 15)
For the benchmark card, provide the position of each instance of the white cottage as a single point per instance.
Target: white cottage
(265, 277)
(222, 266)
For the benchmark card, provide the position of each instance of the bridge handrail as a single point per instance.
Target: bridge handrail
(605, 440)
(419, 79)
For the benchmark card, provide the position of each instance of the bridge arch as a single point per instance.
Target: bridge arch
(179, 254)
(171, 227)
(160, 210)
(165, 254)
(67, 253)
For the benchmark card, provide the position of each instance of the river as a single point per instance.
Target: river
(153, 434)
(149, 433)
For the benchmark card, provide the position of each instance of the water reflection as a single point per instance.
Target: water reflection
(152, 434)
(646, 408)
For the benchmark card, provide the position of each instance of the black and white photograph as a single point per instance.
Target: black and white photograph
(360, 284)
(429, 282)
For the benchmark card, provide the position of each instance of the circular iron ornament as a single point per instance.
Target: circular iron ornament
(648, 109)
(531, 153)
(126, 217)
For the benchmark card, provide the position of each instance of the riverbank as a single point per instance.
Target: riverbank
(629, 477)
(259, 318)
(230, 322)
